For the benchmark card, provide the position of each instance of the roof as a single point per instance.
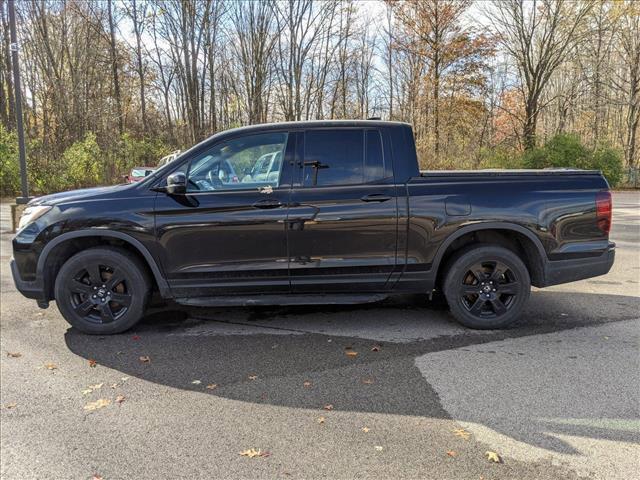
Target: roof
(309, 124)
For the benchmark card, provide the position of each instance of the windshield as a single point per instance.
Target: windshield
(141, 172)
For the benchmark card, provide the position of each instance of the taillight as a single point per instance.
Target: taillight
(603, 211)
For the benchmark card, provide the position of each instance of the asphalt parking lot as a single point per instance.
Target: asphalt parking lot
(393, 390)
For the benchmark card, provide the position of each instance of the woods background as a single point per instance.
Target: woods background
(111, 84)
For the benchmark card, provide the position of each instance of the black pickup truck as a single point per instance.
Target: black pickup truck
(312, 212)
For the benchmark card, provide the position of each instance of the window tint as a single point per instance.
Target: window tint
(374, 162)
(333, 157)
(343, 157)
(242, 163)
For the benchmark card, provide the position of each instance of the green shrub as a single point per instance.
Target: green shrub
(82, 162)
(563, 150)
(568, 151)
(500, 158)
(609, 160)
(9, 166)
(132, 152)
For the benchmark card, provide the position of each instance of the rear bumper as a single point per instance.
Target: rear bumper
(571, 270)
(28, 289)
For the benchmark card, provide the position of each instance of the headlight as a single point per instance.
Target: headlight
(31, 214)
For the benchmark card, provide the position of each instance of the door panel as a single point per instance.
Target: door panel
(342, 223)
(227, 241)
(338, 242)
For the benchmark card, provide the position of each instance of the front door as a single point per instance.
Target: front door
(342, 224)
(227, 233)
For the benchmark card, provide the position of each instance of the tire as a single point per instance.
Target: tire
(92, 300)
(487, 287)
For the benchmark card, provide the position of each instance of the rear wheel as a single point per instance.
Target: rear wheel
(487, 287)
(102, 290)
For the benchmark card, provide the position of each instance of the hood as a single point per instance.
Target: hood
(73, 195)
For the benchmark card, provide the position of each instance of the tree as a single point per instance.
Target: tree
(539, 35)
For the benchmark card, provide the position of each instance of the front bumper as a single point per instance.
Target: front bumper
(571, 270)
(28, 289)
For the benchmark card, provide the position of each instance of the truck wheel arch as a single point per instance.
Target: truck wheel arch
(532, 246)
(44, 260)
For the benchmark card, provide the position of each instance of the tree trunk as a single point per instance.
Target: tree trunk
(114, 69)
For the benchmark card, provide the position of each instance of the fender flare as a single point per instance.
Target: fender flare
(490, 226)
(163, 286)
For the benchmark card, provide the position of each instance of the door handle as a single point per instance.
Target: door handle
(267, 204)
(375, 197)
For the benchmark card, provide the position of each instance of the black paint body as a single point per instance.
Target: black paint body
(389, 236)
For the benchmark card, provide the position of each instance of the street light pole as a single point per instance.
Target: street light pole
(18, 99)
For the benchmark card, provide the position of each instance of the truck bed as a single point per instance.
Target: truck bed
(504, 172)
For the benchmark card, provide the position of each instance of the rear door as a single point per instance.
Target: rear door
(342, 223)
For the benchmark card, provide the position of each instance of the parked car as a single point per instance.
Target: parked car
(138, 173)
(349, 218)
(168, 158)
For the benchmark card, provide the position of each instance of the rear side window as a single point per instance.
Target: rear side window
(374, 160)
(342, 157)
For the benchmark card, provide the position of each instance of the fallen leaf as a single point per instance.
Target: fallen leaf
(211, 386)
(119, 352)
(328, 406)
(11, 405)
(461, 432)
(196, 382)
(378, 448)
(451, 453)
(351, 353)
(96, 477)
(50, 366)
(92, 363)
(365, 429)
(368, 381)
(14, 354)
(307, 383)
(120, 399)
(135, 337)
(145, 359)
(98, 404)
(493, 456)
(92, 388)
(253, 453)
(253, 377)
(124, 379)
(114, 385)
(375, 348)
(321, 420)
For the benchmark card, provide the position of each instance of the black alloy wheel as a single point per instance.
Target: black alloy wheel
(102, 290)
(487, 286)
(98, 293)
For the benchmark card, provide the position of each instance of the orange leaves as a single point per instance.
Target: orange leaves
(97, 405)
(254, 453)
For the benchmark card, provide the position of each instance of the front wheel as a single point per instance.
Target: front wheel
(102, 290)
(487, 287)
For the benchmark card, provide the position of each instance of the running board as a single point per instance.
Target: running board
(286, 299)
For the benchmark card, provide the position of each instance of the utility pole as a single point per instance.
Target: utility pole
(18, 92)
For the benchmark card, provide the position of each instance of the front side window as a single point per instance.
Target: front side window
(244, 162)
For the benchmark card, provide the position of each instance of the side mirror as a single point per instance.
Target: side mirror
(176, 183)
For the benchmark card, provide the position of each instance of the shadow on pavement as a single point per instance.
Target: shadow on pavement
(208, 348)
